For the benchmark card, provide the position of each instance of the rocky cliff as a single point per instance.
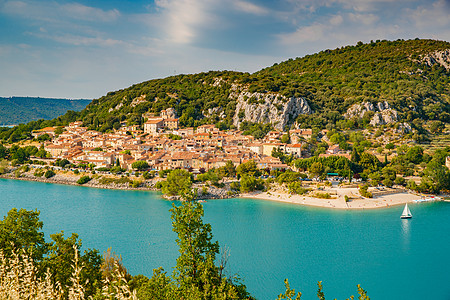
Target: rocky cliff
(383, 113)
(268, 108)
(438, 57)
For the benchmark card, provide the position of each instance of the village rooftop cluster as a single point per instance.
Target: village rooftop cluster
(204, 147)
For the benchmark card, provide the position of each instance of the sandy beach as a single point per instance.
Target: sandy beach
(338, 202)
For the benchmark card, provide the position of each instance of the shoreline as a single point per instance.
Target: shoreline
(384, 200)
(360, 203)
(73, 183)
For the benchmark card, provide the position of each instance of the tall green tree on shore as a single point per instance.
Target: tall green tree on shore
(196, 272)
(178, 182)
(248, 168)
(197, 250)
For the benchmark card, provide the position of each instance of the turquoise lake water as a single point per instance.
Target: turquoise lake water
(267, 241)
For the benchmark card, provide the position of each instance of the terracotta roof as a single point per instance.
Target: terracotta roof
(154, 121)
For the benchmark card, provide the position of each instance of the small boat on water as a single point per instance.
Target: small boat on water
(406, 213)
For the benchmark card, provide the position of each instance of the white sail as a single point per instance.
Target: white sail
(406, 212)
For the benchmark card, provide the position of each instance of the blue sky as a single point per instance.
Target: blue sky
(83, 49)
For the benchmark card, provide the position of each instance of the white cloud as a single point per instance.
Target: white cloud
(365, 19)
(365, 5)
(83, 12)
(331, 31)
(85, 41)
(54, 12)
(336, 20)
(354, 5)
(182, 19)
(435, 14)
(304, 34)
(251, 8)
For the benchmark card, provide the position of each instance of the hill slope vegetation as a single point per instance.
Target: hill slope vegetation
(411, 77)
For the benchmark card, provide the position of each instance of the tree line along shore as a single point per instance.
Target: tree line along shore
(311, 187)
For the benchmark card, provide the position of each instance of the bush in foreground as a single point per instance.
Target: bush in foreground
(57, 271)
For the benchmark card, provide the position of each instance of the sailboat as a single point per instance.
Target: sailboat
(406, 213)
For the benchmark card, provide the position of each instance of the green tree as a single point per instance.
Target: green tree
(288, 177)
(44, 137)
(399, 180)
(389, 173)
(389, 146)
(230, 169)
(363, 190)
(140, 165)
(59, 130)
(60, 257)
(197, 250)
(248, 168)
(41, 152)
(436, 176)
(437, 126)
(62, 162)
(316, 169)
(250, 184)
(49, 174)
(375, 178)
(369, 162)
(415, 154)
(296, 188)
(196, 274)
(178, 182)
(22, 229)
(83, 179)
(19, 154)
(355, 156)
(3, 166)
(387, 182)
(286, 139)
(3, 151)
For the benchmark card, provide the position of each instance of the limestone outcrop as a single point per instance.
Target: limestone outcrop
(387, 116)
(383, 113)
(268, 108)
(438, 57)
(216, 111)
(170, 113)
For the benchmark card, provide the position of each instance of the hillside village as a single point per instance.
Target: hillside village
(163, 145)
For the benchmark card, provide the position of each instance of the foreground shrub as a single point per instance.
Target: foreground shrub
(68, 275)
(19, 280)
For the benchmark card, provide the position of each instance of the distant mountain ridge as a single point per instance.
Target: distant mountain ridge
(16, 110)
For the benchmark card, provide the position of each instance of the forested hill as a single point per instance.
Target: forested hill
(411, 78)
(16, 110)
